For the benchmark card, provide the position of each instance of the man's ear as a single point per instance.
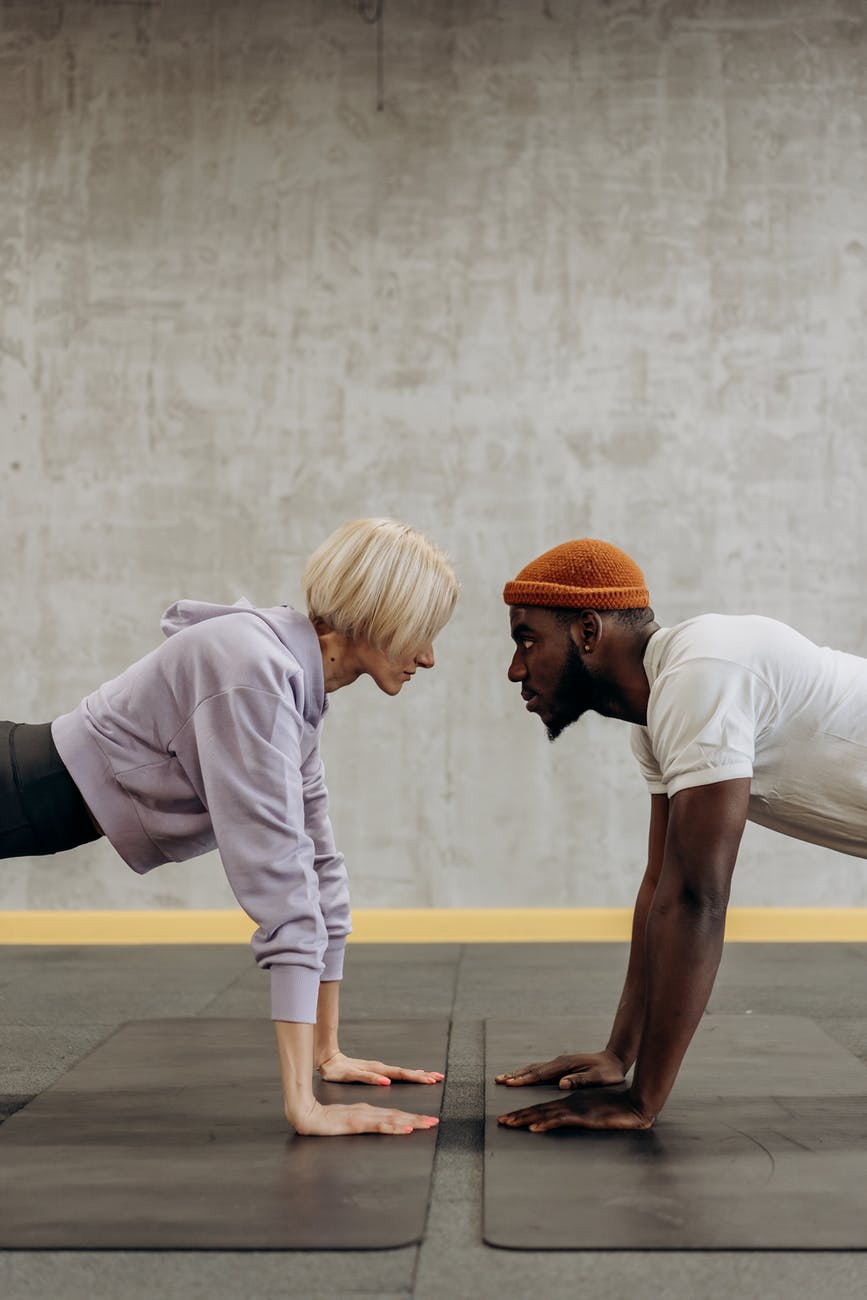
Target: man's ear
(585, 630)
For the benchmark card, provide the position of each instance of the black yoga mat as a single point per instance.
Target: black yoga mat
(170, 1135)
(761, 1146)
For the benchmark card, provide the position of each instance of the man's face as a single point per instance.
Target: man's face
(554, 680)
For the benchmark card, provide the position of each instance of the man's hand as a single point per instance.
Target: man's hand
(338, 1068)
(316, 1120)
(615, 1110)
(585, 1070)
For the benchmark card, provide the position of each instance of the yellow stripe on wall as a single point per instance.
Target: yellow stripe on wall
(429, 925)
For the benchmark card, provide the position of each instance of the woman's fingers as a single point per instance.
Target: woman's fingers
(369, 1076)
(374, 1119)
(402, 1073)
(345, 1069)
(334, 1120)
(398, 1072)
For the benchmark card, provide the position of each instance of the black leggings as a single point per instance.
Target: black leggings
(41, 809)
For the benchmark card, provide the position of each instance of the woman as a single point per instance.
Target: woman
(212, 740)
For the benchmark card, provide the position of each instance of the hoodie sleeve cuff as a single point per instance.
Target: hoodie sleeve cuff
(294, 993)
(334, 959)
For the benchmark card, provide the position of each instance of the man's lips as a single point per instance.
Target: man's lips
(530, 698)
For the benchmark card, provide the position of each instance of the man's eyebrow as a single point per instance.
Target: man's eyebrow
(522, 627)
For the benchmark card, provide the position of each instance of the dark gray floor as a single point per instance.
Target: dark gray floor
(763, 1147)
(170, 1135)
(55, 1004)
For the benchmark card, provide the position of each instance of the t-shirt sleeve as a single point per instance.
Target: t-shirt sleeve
(643, 751)
(702, 722)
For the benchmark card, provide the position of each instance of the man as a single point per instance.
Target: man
(734, 718)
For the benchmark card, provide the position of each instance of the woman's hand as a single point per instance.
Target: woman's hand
(332, 1121)
(338, 1068)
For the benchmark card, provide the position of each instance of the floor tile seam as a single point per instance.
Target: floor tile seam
(438, 1153)
(469, 1195)
(236, 979)
(67, 1025)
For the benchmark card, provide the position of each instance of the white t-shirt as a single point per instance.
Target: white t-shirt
(747, 696)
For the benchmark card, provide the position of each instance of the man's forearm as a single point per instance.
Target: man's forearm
(625, 1034)
(684, 941)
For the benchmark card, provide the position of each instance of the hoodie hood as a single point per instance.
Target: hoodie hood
(185, 613)
(293, 629)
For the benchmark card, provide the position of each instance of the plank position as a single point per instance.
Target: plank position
(212, 740)
(733, 719)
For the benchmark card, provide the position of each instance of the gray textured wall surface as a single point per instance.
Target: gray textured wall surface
(596, 269)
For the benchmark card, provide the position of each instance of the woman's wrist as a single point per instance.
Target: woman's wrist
(324, 1050)
(295, 1050)
(297, 1108)
(327, 1020)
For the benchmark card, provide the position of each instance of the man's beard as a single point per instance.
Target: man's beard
(574, 694)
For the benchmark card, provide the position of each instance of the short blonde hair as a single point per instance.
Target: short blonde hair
(383, 582)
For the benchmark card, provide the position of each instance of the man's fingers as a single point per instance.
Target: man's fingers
(520, 1118)
(515, 1078)
(585, 1079)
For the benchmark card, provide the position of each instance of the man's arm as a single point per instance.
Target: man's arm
(683, 943)
(626, 1030)
(594, 1069)
(685, 930)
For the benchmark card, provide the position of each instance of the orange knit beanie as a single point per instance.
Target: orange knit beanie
(585, 574)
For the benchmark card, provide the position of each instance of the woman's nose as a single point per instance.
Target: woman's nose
(425, 656)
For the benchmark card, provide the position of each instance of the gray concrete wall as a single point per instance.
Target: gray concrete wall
(598, 268)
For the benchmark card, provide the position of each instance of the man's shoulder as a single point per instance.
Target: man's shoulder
(739, 639)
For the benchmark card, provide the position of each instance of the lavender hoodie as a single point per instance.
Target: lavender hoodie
(212, 740)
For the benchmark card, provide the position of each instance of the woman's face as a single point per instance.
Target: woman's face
(391, 675)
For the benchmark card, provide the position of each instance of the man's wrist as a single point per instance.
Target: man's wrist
(623, 1059)
(643, 1100)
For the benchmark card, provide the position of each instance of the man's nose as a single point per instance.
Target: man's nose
(517, 670)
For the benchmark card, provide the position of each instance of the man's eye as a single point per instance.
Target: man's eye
(527, 641)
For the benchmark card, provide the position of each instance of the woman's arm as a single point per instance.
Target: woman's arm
(307, 1115)
(334, 1067)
